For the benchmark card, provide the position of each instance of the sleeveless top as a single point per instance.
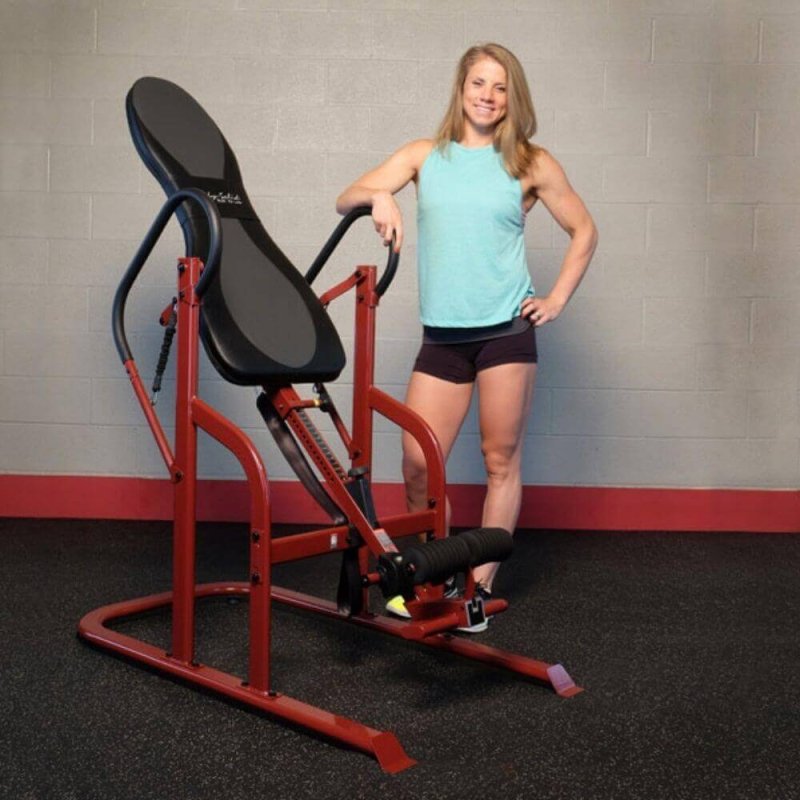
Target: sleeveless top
(470, 249)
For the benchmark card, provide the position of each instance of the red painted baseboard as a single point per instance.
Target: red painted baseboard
(544, 507)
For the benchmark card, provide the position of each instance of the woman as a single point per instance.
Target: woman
(476, 182)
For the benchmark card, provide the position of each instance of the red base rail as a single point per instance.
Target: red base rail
(382, 745)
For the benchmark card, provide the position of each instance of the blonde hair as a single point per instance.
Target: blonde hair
(515, 129)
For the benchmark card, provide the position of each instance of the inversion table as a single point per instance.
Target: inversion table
(262, 325)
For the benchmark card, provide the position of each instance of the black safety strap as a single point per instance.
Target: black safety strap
(169, 319)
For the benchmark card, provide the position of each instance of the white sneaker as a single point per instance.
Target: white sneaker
(479, 627)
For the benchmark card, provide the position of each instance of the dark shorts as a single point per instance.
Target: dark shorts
(460, 363)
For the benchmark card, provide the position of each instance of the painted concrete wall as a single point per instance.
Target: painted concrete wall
(677, 362)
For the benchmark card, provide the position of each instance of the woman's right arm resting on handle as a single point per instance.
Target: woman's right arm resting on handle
(377, 188)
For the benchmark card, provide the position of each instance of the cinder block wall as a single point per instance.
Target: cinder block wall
(675, 365)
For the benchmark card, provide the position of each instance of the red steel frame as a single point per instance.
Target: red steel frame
(431, 616)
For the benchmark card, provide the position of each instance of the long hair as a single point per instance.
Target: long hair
(515, 129)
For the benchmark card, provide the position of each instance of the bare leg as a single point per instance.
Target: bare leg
(443, 405)
(505, 395)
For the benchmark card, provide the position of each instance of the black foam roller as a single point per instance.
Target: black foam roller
(487, 544)
(436, 561)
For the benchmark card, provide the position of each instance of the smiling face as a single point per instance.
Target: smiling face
(484, 96)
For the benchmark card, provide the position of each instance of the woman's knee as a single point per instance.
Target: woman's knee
(501, 460)
(415, 470)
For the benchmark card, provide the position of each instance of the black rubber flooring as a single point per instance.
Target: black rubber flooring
(686, 644)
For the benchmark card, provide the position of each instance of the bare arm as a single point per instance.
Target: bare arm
(377, 188)
(549, 183)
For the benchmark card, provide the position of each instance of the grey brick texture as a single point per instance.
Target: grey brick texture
(678, 361)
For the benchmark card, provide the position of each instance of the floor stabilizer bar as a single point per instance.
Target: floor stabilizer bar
(382, 745)
(555, 675)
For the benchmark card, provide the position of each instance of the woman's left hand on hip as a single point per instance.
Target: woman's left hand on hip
(540, 310)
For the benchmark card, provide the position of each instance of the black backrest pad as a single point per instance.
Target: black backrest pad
(261, 322)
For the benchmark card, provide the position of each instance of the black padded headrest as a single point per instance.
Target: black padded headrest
(261, 322)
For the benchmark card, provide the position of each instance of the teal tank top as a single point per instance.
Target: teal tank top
(470, 244)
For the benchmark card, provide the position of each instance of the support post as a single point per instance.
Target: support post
(185, 472)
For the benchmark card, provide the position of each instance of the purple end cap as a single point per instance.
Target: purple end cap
(560, 679)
